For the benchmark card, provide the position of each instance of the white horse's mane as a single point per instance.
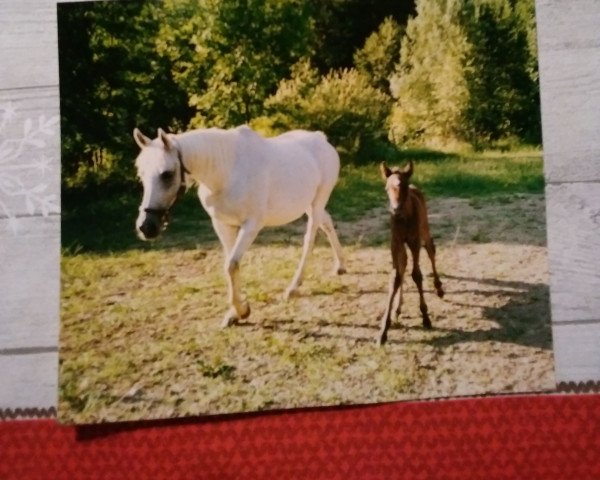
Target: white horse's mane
(216, 148)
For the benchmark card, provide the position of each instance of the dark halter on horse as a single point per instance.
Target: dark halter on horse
(165, 213)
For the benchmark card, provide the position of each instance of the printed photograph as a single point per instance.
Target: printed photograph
(276, 204)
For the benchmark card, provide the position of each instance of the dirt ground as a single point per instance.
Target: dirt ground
(141, 338)
(492, 328)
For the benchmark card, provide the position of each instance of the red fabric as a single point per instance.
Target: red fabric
(545, 437)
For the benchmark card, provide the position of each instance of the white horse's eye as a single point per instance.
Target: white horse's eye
(167, 176)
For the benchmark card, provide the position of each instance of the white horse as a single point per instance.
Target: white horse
(245, 182)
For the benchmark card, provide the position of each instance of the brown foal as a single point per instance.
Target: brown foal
(409, 227)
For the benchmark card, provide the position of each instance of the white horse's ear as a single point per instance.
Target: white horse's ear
(141, 139)
(165, 139)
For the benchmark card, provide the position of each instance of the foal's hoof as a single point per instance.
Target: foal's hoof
(246, 313)
(440, 292)
(341, 270)
(427, 323)
(381, 340)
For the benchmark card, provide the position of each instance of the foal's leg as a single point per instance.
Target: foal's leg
(239, 308)
(437, 283)
(327, 226)
(309, 241)
(395, 282)
(399, 260)
(400, 299)
(417, 276)
(425, 234)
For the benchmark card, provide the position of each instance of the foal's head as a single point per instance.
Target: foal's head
(160, 170)
(396, 184)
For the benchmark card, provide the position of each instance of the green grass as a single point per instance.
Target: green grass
(469, 176)
(107, 224)
(104, 222)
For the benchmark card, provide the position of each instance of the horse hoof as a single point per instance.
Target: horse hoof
(427, 324)
(228, 321)
(230, 318)
(440, 293)
(290, 293)
(381, 340)
(341, 270)
(246, 314)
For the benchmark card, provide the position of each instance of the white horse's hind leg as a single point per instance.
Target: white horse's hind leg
(309, 241)
(327, 226)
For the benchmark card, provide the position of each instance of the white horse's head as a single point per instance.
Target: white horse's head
(161, 171)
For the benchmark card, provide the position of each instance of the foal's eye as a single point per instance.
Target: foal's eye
(167, 177)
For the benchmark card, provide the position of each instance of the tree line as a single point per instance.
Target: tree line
(374, 75)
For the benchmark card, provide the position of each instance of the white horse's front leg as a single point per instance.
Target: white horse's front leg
(239, 308)
(309, 241)
(227, 235)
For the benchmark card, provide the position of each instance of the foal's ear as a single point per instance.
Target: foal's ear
(141, 139)
(409, 168)
(385, 171)
(165, 139)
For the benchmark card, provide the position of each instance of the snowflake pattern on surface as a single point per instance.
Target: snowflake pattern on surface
(19, 160)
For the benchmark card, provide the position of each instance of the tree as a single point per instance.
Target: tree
(429, 83)
(525, 12)
(503, 84)
(111, 80)
(81, 122)
(229, 55)
(342, 103)
(342, 27)
(380, 54)
(466, 74)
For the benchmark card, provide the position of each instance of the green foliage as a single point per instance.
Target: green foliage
(111, 80)
(380, 53)
(358, 190)
(467, 73)
(342, 26)
(429, 83)
(343, 104)
(502, 85)
(229, 55)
